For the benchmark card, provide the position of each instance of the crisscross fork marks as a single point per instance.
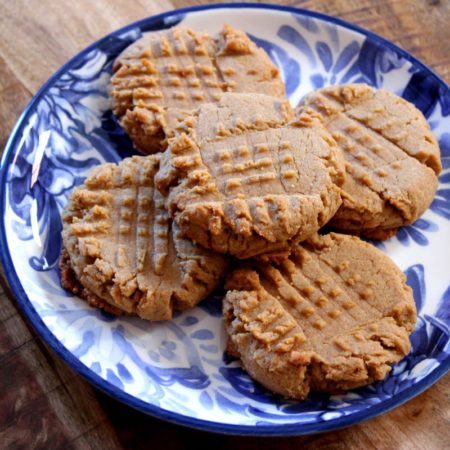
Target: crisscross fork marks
(294, 299)
(394, 140)
(145, 210)
(373, 166)
(161, 231)
(322, 300)
(175, 93)
(356, 142)
(194, 75)
(165, 77)
(287, 167)
(270, 324)
(343, 291)
(388, 117)
(208, 75)
(126, 211)
(235, 169)
(321, 304)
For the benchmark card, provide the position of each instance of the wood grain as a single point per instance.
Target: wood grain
(43, 403)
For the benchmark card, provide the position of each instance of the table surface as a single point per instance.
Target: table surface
(43, 403)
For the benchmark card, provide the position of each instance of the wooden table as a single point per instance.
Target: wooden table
(43, 403)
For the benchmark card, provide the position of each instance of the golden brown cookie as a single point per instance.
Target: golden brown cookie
(392, 158)
(243, 179)
(125, 251)
(164, 75)
(335, 315)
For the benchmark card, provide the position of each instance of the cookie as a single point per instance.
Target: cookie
(334, 316)
(125, 252)
(242, 179)
(392, 158)
(163, 76)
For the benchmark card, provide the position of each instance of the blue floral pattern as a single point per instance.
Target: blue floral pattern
(416, 232)
(180, 366)
(441, 204)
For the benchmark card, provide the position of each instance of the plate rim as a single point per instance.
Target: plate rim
(277, 429)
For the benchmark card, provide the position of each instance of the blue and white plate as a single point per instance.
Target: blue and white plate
(178, 370)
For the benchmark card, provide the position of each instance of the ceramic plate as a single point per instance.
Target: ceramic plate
(178, 370)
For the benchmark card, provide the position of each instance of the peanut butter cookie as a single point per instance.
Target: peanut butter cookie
(392, 158)
(163, 76)
(334, 316)
(123, 254)
(242, 179)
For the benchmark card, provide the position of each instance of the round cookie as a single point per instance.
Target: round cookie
(164, 75)
(334, 316)
(392, 158)
(124, 250)
(242, 179)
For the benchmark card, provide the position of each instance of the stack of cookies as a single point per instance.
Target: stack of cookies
(233, 176)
